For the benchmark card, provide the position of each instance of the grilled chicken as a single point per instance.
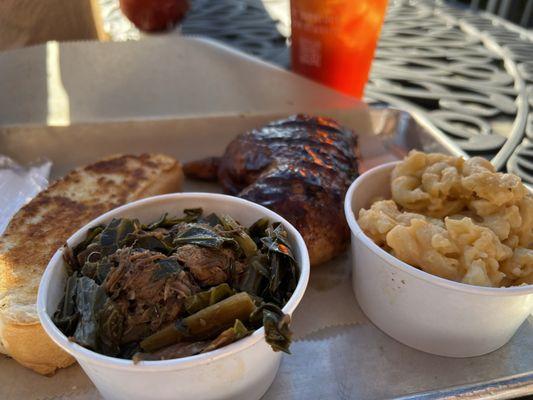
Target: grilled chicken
(299, 167)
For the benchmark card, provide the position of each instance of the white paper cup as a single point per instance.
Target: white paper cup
(421, 310)
(242, 370)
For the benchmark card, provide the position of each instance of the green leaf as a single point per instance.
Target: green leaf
(191, 215)
(166, 268)
(114, 233)
(201, 300)
(128, 350)
(177, 350)
(110, 329)
(150, 242)
(102, 270)
(71, 262)
(256, 276)
(277, 240)
(212, 220)
(244, 240)
(277, 332)
(258, 229)
(90, 299)
(230, 335)
(97, 270)
(92, 233)
(283, 276)
(275, 274)
(202, 236)
(158, 223)
(66, 316)
(204, 324)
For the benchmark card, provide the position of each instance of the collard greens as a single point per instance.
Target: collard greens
(178, 286)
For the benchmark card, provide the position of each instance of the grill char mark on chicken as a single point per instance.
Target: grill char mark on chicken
(300, 167)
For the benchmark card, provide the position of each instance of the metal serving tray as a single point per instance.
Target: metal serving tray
(338, 353)
(76, 102)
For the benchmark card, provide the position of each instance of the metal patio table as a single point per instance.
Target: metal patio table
(469, 74)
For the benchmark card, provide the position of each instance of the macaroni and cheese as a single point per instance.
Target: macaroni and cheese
(457, 219)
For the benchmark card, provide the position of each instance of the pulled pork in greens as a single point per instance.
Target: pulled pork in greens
(178, 286)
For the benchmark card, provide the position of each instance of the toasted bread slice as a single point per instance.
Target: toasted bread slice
(45, 223)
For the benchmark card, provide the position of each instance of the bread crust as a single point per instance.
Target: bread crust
(30, 346)
(42, 226)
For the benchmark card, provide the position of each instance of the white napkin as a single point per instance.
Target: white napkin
(18, 185)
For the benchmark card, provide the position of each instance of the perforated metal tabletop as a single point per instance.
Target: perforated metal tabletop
(469, 74)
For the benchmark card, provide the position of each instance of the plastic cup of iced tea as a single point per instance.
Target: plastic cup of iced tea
(333, 41)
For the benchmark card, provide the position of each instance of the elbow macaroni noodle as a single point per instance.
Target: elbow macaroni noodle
(457, 219)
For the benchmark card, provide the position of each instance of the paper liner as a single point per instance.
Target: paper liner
(17, 382)
(329, 299)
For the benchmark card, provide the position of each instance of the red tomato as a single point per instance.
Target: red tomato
(154, 15)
